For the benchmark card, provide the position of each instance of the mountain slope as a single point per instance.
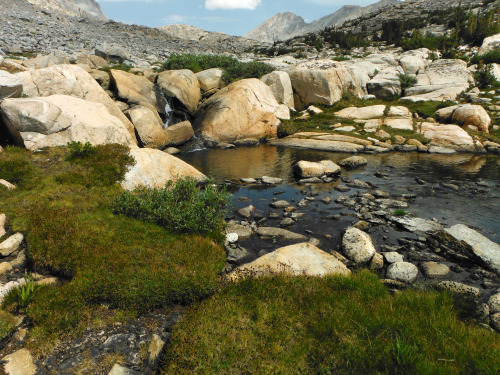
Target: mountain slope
(284, 26)
(74, 8)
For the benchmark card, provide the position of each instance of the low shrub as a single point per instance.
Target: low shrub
(407, 81)
(15, 165)
(331, 325)
(492, 57)
(400, 212)
(233, 69)
(181, 207)
(484, 78)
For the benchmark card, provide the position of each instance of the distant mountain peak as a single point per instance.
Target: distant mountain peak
(283, 26)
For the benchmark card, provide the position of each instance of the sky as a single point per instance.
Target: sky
(234, 17)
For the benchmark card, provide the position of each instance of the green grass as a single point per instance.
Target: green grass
(112, 266)
(233, 69)
(332, 325)
(123, 67)
(400, 212)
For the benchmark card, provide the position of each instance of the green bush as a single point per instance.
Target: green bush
(233, 69)
(400, 212)
(181, 207)
(330, 325)
(24, 294)
(407, 81)
(484, 78)
(492, 57)
(79, 151)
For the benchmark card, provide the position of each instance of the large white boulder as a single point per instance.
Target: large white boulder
(73, 81)
(324, 82)
(362, 113)
(308, 169)
(383, 87)
(441, 80)
(473, 244)
(181, 84)
(58, 119)
(149, 126)
(295, 260)
(466, 114)
(449, 136)
(154, 168)
(357, 245)
(244, 109)
(135, 89)
(412, 64)
(11, 85)
(179, 134)
(490, 44)
(210, 80)
(281, 86)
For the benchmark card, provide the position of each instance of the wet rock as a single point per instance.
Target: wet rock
(434, 270)
(299, 259)
(414, 224)
(286, 222)
(459, 288)
(280, 204)
(244, 232)
(353, 162)
(279, 232)
(470, 243)
(326, 200)
(246, 212)
(402, 271)
(247, 142)
(357, 245)
(495, 321)
(320, 145)
(178, 134)
(393, 257)
(237, 255)
(271, 180)
(358, 184)
(342, 188)
(248, 180)
(391, 203)
(306, 169)
(11, 244)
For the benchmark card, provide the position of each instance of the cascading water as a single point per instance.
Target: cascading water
(169, 114)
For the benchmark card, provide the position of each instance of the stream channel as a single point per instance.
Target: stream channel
(452, 189)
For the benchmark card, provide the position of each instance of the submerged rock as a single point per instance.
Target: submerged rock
(299, 259)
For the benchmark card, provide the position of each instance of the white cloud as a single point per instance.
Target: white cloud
(175, 19)
(231, 4)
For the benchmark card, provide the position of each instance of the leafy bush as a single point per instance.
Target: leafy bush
(407, 80)
(492, 57)
(233, 69)
(15, 165)
(77, 150)
(484, 78)
(330, 325)
(181, 207)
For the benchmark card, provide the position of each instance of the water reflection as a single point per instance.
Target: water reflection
(268, 160)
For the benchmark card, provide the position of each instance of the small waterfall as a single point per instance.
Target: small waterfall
(169, 114)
